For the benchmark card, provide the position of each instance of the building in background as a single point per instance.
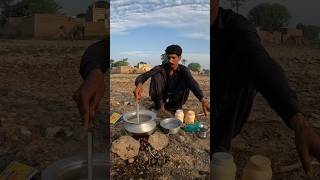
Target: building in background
(97, 12)
(59, 26)
(140, 68)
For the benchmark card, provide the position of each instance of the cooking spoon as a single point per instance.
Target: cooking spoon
(90, 144)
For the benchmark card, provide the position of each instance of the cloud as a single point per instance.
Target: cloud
(137, 53)
(189, 17)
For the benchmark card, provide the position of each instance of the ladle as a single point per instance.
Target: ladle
(90, 146)
(138, 116)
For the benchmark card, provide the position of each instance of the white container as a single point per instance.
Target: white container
(189, 118)
(258, 168)
(223, 166)
(179, 115)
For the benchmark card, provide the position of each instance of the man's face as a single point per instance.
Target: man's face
(214, 7)
(173, 60)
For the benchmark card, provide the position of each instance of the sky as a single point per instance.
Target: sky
(301, 11)
(141, 30)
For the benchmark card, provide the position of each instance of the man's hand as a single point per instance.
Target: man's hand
(138, 92)
(163, 112)
(88, 96)
(205, 106)
(307, 141)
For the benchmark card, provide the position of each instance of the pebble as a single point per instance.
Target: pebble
(52, 132)
(145, 158)
(182, 132)
(180, 138)
(131, 160)
(25, 131)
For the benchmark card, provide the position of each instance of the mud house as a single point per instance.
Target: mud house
(292, 35)
(282, 35)
(57, 26)
(140, 68)
(97, 12)
(122, 70)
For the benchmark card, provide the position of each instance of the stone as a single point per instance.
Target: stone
(25, 131)
(180, 138)
(126, 147)
(51, 132)
(182, 132)
(131, 160)
(158, 141)
(144, 156)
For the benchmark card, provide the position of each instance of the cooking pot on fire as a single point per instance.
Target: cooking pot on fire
(145, 126)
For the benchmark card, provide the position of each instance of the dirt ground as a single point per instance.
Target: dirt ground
(265, 133)
(180, 159)
(37, 80)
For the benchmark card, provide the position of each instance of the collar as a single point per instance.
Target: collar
(218, 23)
(219, 19)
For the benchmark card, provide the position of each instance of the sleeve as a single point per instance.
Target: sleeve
(145, 76)
(267, 75)
(95, 57)
(194, 86)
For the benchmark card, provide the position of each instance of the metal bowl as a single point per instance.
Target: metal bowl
(145, 116)
(75, 167)
(170, 125)
(145, 127)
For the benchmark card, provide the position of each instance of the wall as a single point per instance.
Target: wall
(97, 29)
(47, 25)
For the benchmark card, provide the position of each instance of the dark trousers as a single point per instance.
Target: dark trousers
(230, 117)
(173, 100)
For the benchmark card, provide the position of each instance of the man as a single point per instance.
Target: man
(94, 64)
(241, 67)
(170, 84)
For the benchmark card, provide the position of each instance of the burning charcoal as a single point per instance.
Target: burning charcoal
(161, 161)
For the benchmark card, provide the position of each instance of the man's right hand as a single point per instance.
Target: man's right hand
(138, 92)
(88, 96)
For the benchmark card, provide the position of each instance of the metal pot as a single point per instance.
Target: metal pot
(75, 167)
(170, 125)
(145, 127)
(204, 131)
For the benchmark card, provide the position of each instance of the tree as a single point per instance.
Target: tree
(236, 4)
(4, 9)
(111, 62)
(123, 62)
(269, 17)
(5, 3)
(141, 62)
(164, 58)
(183, 62)
(206, 71)
(81, 15)
(310, 32)
(194, 67)
(30, 7)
